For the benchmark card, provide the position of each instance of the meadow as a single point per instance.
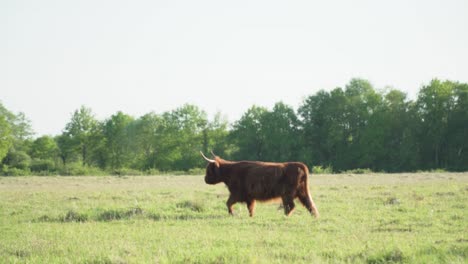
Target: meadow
(365, 218)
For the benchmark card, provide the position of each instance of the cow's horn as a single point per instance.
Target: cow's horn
(213, 154)
(207, 159)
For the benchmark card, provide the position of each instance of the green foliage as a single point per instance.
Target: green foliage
(7, 171)
(15, 131)
(358, 171)
(325, 128)
(66, 150)
(216, 137)
(77, 169)
(42, 165)
(17, 159)
(344, 129)
(322, 170)
(358, 128)
(196, 206)
(44, 147)
(186, 126)
(195, 171)
(248, 134)
(111, 215)
(117, 132)
(126, 172)
(5, 136)
(71, 216)
(79, 133)
(281, 129)
(148, 140)
(18, 123)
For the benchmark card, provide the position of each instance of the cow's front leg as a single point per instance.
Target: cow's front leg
(288, 203)
(230, 202)
(251, 207)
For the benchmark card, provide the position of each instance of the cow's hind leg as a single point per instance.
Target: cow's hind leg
(251, 207)
(288, 204)
(307, 201)
(230, 202)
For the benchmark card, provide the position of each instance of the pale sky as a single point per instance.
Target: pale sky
(143, 56)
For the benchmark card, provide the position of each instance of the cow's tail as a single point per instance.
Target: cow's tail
(310, 203)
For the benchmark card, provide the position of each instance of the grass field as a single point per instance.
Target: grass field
(368, 218)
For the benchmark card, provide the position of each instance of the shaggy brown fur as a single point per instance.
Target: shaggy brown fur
(249, 181)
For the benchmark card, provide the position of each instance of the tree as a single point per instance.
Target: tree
(117, 143)
(325, 128)
(435, 104)
(280, 127)
(44, 153)
(19, 125)
(148, 140)
(6, 138)
(18, 159)
(248, 135)
(215, 137)
(388, 141)
(15, 134)
(44, 148)
(66, 148)
(457, 125)
(185, 126)
(362, 102)
(80, 130)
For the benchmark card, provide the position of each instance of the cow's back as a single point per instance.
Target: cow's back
(266, 181)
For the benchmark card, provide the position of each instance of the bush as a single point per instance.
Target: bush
(127, 172)
(77, 169)
(40, 165)
(18, 159)
(7, 171)
(322, 170)
(359, 171)
(196, 171)
(117, 214)
(438, 170)
(153, 172)
(195, 206)
(73, 216)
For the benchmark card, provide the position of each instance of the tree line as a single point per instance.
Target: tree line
(342, 129)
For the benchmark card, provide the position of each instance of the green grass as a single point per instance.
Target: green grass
(365, 218)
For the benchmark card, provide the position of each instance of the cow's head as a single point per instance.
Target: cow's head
(213, 175)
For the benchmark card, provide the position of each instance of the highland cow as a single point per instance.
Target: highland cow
(251, 181)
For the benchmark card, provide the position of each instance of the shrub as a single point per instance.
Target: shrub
(192, 205)
(110, 215)
(117, 214)
(322, 170)
(196, 171)
(438, 170)
(153, 172)
(359, 171)
(7, 171)
(38, 165)
(134, 211)
(73, 169)
(72, 216)
(127, 172)
(77, 169)
(18, 159)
